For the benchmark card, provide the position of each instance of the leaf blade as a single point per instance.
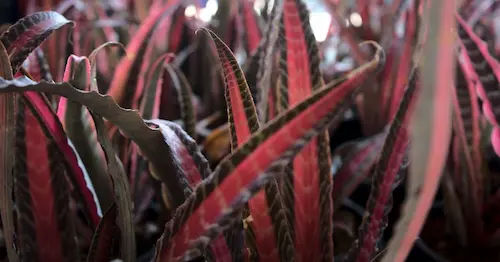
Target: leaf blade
(429, 143)
(243, 121)
(311, 182)
(123, 80)
(216, 193)
(150, 140)
(29, 32)
(46, 228)
(385, 176)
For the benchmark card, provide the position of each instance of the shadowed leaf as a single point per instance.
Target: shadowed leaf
(7, 160)
(385, 177)
(188, 157)
(124, 81)
(184, 94)
(467, 150)
(80, 129)
(150, 102)
(356, 165)
(103, 239)
(150, 140)
(186, 153)
(121, 190)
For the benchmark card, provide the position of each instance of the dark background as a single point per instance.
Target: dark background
(8, 11)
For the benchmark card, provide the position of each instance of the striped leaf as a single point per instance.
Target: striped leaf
(311, 181)
(385, 178)
(265, 209)
(38, 66)
(488, 72)
(150, 140)
(210, 209)
(184, 96)
(189, 158)
(185, 150)
(430, 128)
(44, 220)
(28, 33)
(7, 159)
(241, 110)
(124, 82)
(467, 108)
(467, 150)
(77, 171)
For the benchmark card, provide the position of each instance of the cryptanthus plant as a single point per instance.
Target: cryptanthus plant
(145, 131)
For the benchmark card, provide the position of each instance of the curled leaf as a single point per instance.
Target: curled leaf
(150, 140)
(28, 33)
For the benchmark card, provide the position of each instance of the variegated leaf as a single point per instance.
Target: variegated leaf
(210, 209)
(28, 33)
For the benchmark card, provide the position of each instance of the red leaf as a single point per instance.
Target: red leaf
(102, 241)
(76, 170)
(185, 151)
(488, 72)
(251, 26)
(125, 78)
(466, 127)
(242, 118)
(405, 60)
(46, 228)
(175, 32)
(384, 177)
(195, 167)
(209, 209)
(311, 181)
(28, 33)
